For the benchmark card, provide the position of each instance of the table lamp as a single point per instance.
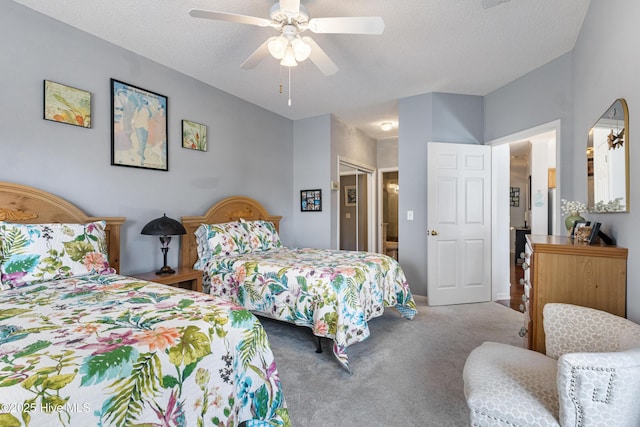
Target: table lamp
(164, 227)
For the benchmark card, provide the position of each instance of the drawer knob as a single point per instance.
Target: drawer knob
(525, 265)
(523, 332)
(521, 308)
(525, 298)
(521, 255)
(522, 281)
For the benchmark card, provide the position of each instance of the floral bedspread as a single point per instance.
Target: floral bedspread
(333, 292)
(109, 350)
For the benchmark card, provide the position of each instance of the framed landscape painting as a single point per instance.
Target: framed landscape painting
(66, 104)
(138, 127)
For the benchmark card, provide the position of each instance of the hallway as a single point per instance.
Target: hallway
(516, 289)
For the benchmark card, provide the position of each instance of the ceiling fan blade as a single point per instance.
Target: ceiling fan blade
(230, 17)
(348, 25)
(320, 59)
(291, 7)
(258, 55)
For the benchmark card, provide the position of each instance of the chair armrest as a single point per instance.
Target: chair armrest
(599, 388)
(570, 328)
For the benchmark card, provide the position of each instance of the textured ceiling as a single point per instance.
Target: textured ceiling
(454, 46)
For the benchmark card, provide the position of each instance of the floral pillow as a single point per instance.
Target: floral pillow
(216, 239)
(263, 235)
(33, 253)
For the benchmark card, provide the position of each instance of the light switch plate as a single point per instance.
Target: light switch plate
(409, 215)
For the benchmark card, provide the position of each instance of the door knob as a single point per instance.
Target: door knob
(434, 233)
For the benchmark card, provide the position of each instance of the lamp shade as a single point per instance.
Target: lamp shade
(289, 59)
(163, 226)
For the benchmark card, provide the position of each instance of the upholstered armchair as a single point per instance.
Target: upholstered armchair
(590, 375)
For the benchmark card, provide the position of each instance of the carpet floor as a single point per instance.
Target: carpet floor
(407, 373)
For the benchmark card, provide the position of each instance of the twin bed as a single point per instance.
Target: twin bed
(81, 345)
(237, 246)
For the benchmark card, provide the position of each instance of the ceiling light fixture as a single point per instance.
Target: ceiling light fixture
(386, 126)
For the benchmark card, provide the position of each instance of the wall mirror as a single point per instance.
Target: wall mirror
(608, 161)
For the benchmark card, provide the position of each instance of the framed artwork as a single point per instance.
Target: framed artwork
(595, 231)
(138, 127)
(578, 225)
(350, 195)
(66, 104)
(515, 196)
(194, 135)
(311, 200)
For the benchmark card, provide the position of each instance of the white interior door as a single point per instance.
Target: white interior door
(459, 223)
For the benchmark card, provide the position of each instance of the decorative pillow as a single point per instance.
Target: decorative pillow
(216, 239)
(263, 235)
(32, 253)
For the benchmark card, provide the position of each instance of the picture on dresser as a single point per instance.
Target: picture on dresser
(577, 226)
(595, 230)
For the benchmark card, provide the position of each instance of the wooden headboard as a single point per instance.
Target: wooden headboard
(227, 210)
(28, 205)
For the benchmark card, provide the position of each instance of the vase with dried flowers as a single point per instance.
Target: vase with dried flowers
(572, 209)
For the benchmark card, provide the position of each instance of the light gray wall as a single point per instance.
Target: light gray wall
(539, 97)
(387, 156)
(577, 88)
(435, 117)
(311, 166)
(74, 162)
(607, 67)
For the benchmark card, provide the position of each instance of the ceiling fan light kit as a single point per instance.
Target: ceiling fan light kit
(290, 19)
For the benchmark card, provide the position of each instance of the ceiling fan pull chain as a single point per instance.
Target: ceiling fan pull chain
(289, 86)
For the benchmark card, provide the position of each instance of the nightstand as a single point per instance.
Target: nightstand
(186, 278)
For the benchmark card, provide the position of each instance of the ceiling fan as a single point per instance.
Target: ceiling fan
(290, 19)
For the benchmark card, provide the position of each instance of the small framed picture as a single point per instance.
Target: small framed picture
(66, 104)
(595, 231)
(577, 226)
(515, 196)
(194, 135)
(350, 195)
(311, 200)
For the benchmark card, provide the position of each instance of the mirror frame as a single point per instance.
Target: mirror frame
(625, 146)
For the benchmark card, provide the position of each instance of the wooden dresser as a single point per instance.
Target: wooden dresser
(557, 269)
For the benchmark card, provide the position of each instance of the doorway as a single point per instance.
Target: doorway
(539, 200)
(389, 194)
(356, 213)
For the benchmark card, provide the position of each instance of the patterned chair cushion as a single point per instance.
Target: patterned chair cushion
(571, 328)
(510, 386)
(34, 253)
(599, 389)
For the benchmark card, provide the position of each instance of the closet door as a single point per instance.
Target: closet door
(353, 208)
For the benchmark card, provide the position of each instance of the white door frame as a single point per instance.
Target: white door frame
(500, 264)
(371, 201)
(381, 171)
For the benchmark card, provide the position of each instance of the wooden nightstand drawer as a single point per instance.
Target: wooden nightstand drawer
(186, 278)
